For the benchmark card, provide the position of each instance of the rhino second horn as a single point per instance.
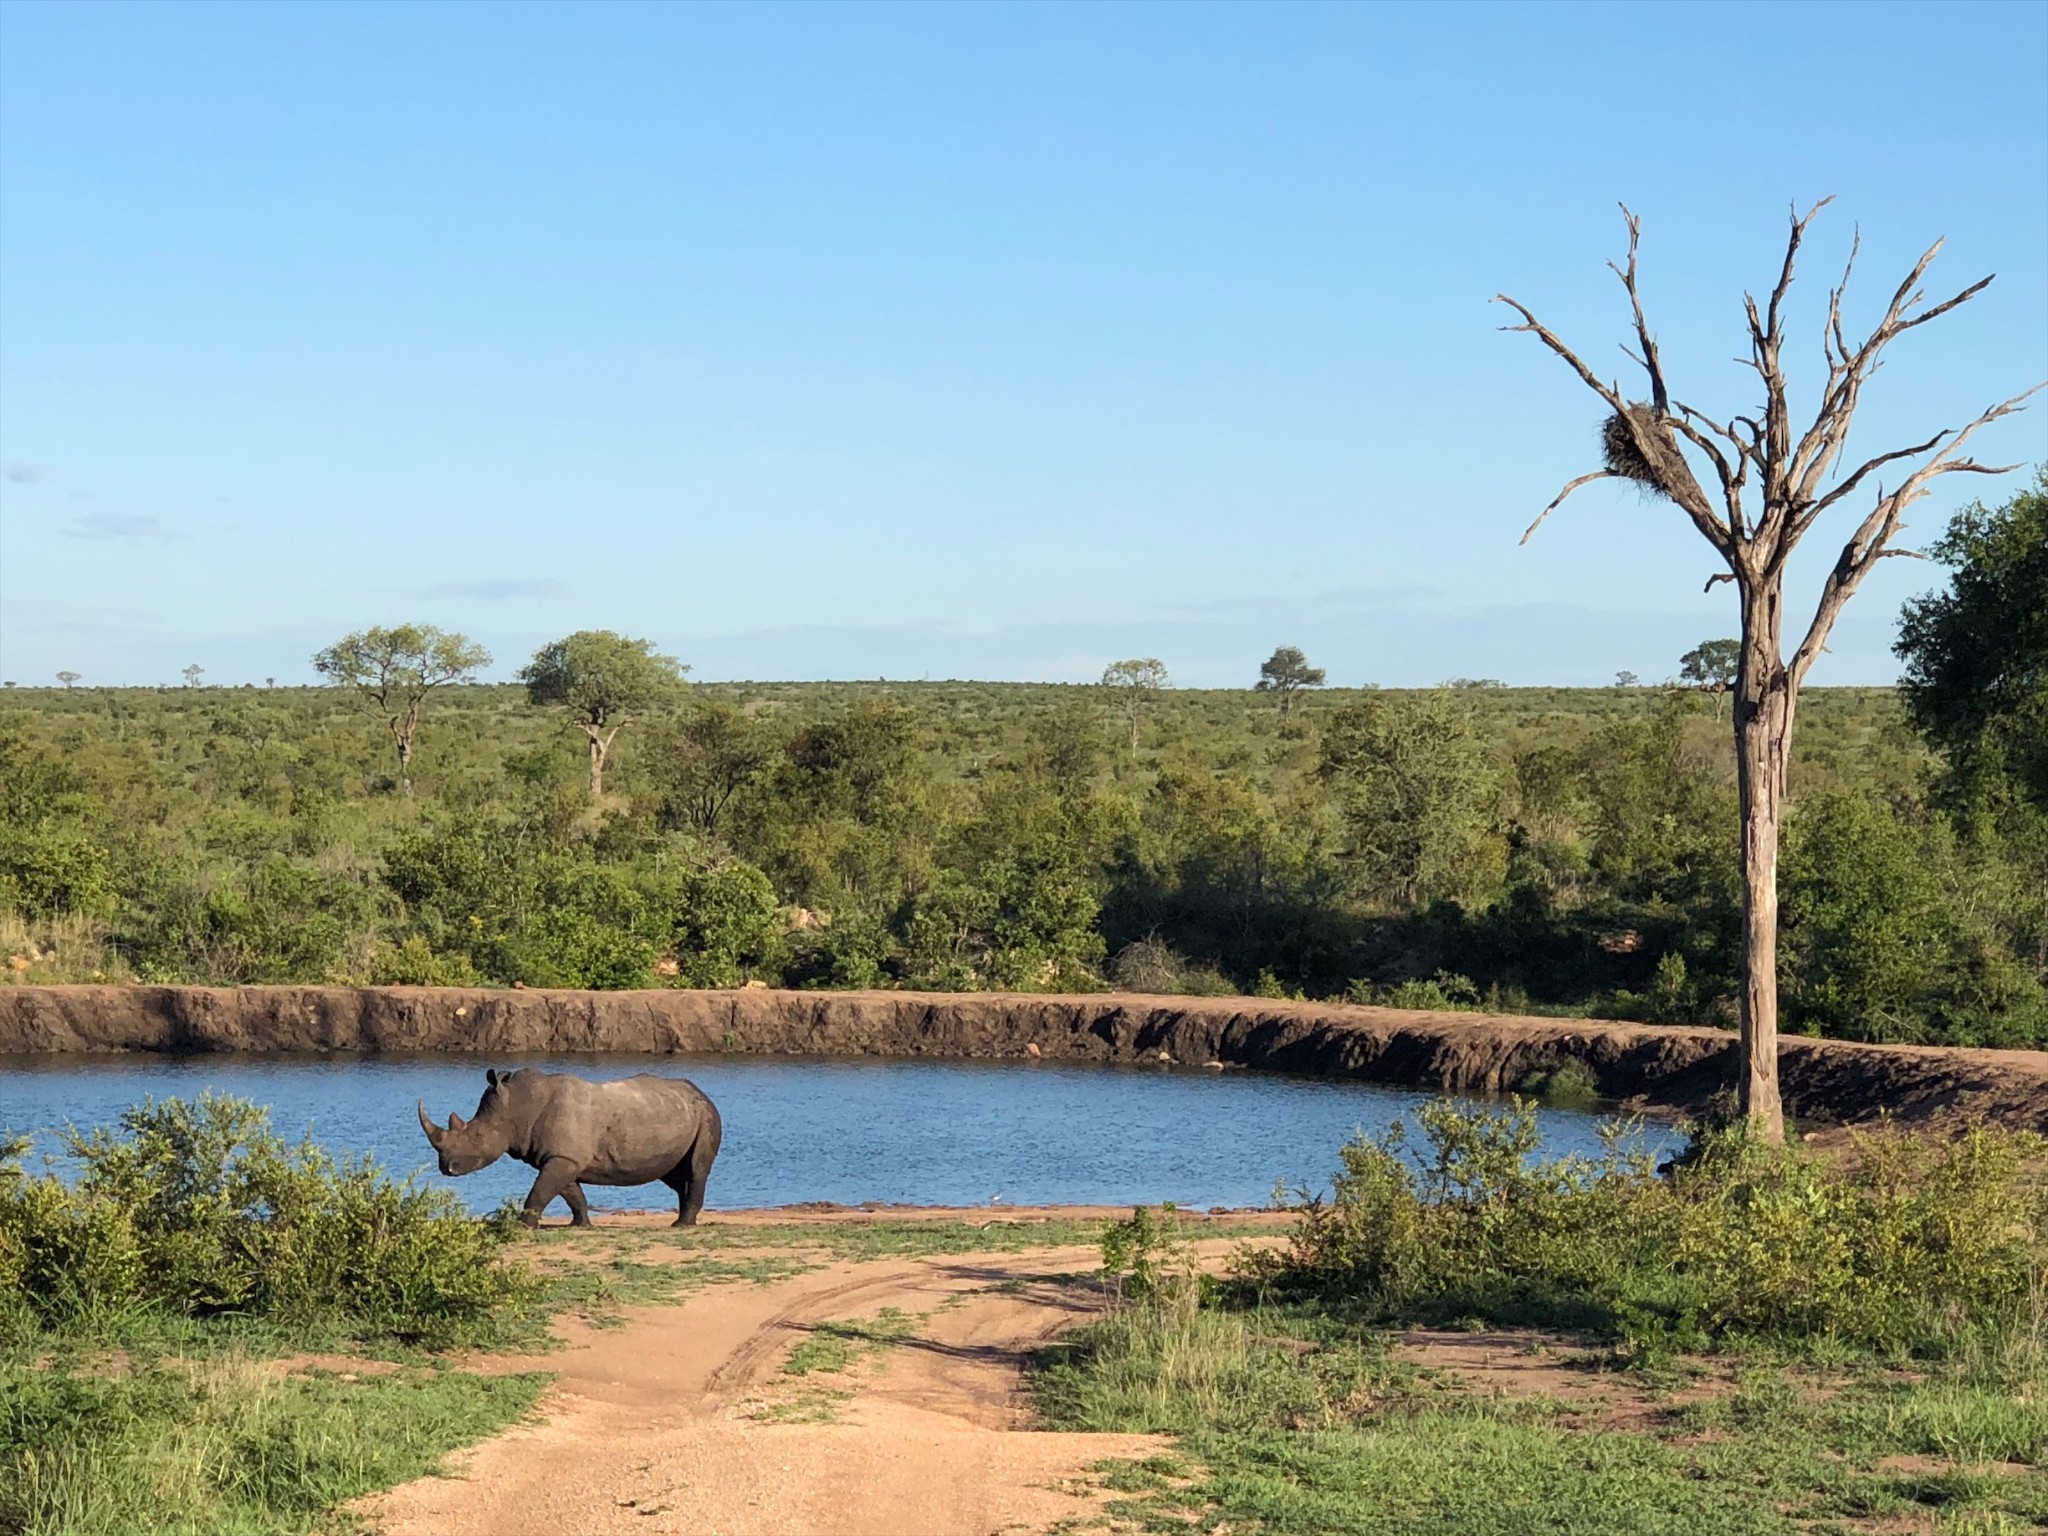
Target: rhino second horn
(434, 1132)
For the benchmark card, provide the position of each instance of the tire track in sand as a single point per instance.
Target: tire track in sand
(647, 1429)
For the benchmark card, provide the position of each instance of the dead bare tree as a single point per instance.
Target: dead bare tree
(1794, 482)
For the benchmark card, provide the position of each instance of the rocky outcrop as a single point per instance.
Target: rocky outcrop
(1651, 1065)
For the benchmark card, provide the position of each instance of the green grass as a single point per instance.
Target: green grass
(597, 1291)
(1740, 1375)
(890, 1239)
(834, 1348)
(226, 1446)
(839, 1346)
(181, 1425)
(1295, 1423)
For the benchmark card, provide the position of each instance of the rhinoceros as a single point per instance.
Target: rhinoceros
(634, 1131)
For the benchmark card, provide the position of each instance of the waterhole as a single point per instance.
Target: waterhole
(912, 1132)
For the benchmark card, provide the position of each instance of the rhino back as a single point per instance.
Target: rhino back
(627, 1132)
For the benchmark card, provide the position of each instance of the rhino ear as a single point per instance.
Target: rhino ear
(492, 1075)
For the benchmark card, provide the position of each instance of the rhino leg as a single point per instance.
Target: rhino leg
(557, 1177)
(689, 1195)
(579, 1207)
(688, 1182)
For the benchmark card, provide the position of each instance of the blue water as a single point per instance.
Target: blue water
(916, 1132)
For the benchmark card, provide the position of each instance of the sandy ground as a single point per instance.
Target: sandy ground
(683, 1419)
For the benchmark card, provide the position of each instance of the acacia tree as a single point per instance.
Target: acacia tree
(1711, 667)
(1772, 483)
(1285, 673)
(603, 678)
(1134, 684)
(68, 678)
(393, 670)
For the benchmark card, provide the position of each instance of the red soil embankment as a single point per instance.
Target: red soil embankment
(1652, 1065)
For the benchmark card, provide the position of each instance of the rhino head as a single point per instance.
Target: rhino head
(464, 1146)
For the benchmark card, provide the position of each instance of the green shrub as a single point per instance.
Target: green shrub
(198, 1209)
(1444, 992)
(725, 925)
(416, 963)
(277, 922)
(1566, 1084)
(1891, 935)
(1912, 1243)
(570, 947)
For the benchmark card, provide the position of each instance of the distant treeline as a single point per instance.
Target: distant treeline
(1506, 848)
(606, 825)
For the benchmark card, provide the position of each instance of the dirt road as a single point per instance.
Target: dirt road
(685, 1418)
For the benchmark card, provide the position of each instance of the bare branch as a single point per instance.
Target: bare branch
(1549, 338)
(1766, 343)
(1945, 305)
(1732, 476)
(1717, 577)
(1558, 500)
(1849, 369)
(1941, 464)
(1834, 341)
(1660, 397)
(1806, 519)
(1652, 447)
(1791, 253)
(1872, 538)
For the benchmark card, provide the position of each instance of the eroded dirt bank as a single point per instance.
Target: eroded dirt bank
(1653, 1065)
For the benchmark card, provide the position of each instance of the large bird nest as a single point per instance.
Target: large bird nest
(1654, 462)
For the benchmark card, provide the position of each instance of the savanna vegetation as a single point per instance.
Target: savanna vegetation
(608, 826)
(149, 1308)
(1757, 1341)
(207, 1331)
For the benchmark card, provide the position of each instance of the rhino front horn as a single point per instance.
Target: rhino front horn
(434, 1132)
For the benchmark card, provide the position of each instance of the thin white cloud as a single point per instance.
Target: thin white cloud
(498, 589)
(118, 525)
(22, 473)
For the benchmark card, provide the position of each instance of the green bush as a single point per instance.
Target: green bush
(197, 1209)
(1891, 935)
(1566, 1084)
(1910, 1243)
(725, 925)
(277, 922)
(569, 947)
(414, 962)
(1443, 993)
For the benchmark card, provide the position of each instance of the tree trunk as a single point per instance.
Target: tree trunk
(402, 728)
(1763, 743)
(600, 752)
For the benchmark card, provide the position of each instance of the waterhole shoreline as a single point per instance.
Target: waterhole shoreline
(1652, 1067)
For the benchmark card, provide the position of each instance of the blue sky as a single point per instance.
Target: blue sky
(983, 341)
